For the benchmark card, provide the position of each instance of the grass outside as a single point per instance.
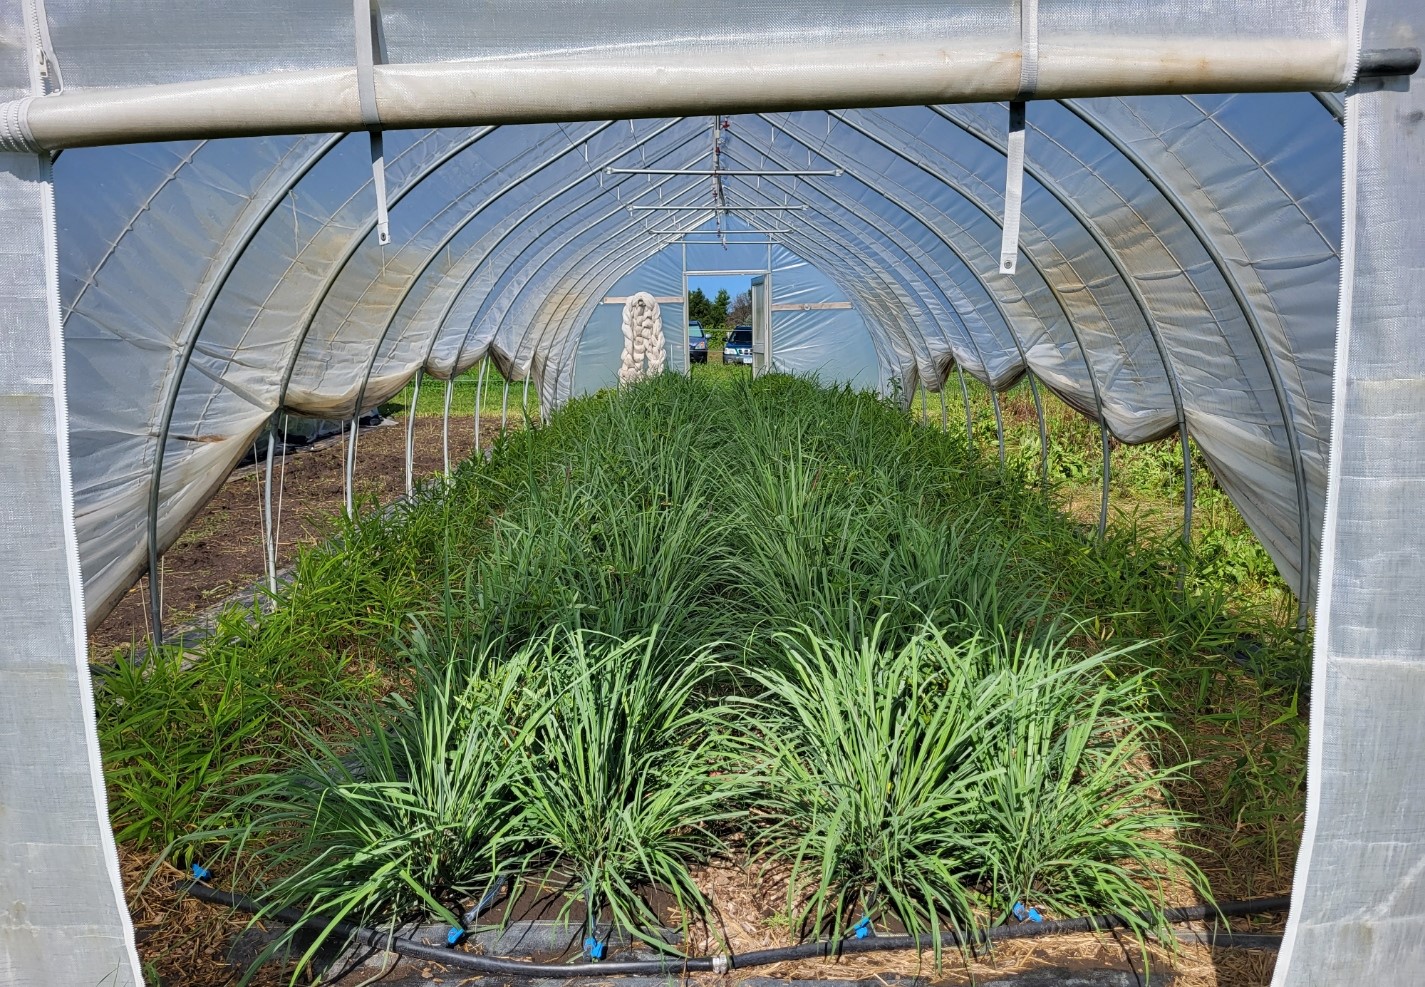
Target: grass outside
(693, 597)
(493, 397)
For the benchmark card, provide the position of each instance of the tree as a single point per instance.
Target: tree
(712, 315)
(719, 309)
(741, 312)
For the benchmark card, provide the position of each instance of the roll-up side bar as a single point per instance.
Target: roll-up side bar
(597, 85)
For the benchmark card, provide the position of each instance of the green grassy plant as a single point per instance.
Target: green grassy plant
(627, 781)
(413, 813)
(721, 511)
(938, 783)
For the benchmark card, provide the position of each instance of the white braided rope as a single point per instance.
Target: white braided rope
(644, 350)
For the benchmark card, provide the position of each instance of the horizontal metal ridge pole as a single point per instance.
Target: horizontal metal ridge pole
(730, 208)
(601, 85)
(825, 172)
(716, 233)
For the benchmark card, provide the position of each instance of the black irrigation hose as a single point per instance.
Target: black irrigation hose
(716, 964)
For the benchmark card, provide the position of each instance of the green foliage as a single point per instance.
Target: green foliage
(938, 781)
(590, 593)
(413, 813)
(712, 314)
(627, 779)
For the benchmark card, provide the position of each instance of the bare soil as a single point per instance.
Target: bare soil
(220, 554)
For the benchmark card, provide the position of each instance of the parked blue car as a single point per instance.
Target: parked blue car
(697, 343)
(738, 348)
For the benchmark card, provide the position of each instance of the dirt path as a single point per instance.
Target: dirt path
(220, 554)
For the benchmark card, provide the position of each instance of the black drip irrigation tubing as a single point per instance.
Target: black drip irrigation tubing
(377, 939)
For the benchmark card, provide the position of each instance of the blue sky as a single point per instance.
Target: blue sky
(734, 283)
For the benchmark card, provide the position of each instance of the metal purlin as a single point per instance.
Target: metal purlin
(430, 259)
(468, 219)
(1093, 381)
(993, 297)
(523, 217)
(974, 130)
(1229, 276)
(176, 378)
(189, 336)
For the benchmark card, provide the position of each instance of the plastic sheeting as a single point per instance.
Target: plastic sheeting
(1358, 902)
(1179, 265)
(1162, 285)
(59, 876)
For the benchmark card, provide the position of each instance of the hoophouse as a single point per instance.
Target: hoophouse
(1195, 218)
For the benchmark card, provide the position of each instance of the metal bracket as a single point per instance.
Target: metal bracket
(1014, 156)
(366, 17)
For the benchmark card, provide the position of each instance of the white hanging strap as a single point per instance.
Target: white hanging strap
(370, 113)
(1013, 189)
(1014, 149)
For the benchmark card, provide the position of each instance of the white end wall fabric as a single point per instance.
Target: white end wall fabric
(1358, 902)
(1174, 249)
(63, 918)
(595, 365)
(810, 336)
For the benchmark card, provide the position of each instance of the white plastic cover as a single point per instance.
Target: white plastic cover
(1178, 265)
